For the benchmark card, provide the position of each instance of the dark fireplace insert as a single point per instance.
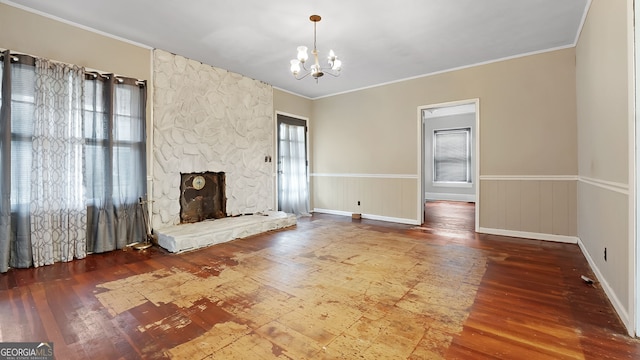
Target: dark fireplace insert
(202, 196)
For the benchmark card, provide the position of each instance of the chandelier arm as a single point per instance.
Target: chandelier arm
(328, 72)
(303, 76)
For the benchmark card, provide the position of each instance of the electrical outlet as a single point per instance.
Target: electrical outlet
(605, 254)
(358, 202)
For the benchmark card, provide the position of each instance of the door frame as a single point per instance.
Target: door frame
(421, 158)
(633, 40)
(276, 200)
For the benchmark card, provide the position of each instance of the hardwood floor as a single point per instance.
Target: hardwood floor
(330, 288)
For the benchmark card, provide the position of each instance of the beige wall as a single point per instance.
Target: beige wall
(292, 104)
(520, 101)
(602, 83)
(36, 35)
(601, 63)
(527, 129)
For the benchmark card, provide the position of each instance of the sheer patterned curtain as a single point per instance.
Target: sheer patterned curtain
(114, 114)
(294, 186)
(57, 207)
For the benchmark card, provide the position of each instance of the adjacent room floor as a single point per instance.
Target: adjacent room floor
(329, 288)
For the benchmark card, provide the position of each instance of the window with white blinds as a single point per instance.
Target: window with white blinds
(452, 156)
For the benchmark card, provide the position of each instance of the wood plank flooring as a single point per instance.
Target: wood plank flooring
(330, 288)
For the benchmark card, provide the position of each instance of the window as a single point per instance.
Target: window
(115, 144)
(452, 156)
(115, 160)
(23, 75)
(72, 158)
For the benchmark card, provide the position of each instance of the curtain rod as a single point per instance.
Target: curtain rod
(15, 56)
(118, 78)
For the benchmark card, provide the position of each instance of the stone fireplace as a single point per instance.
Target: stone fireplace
(202, 196)
(210, 119)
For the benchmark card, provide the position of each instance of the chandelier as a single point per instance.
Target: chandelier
(315, 70)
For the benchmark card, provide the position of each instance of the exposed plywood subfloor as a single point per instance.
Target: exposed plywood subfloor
(329, 292)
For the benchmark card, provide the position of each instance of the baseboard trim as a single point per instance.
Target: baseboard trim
(391, 219)
(530, 235)
(368, 216)
(373, 176)
(611, 295)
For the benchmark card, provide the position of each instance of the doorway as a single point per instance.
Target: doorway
(449, 154)
(292, 165)
(450, 217)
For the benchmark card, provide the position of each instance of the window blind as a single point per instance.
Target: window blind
(452, 155)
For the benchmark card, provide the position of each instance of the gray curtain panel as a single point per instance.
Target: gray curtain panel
(5, 163)
(18, 97)
(115, 161)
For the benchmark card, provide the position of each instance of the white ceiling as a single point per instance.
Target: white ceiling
(379, 41)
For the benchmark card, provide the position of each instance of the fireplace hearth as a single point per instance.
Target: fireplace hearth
(202, 196)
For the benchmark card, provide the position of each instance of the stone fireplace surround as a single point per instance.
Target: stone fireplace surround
(210, 119)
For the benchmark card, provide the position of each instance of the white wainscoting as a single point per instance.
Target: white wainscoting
(604, 223)
(387, 197)
(536, 207)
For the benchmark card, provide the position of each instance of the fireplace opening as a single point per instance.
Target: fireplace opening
(202, 196)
